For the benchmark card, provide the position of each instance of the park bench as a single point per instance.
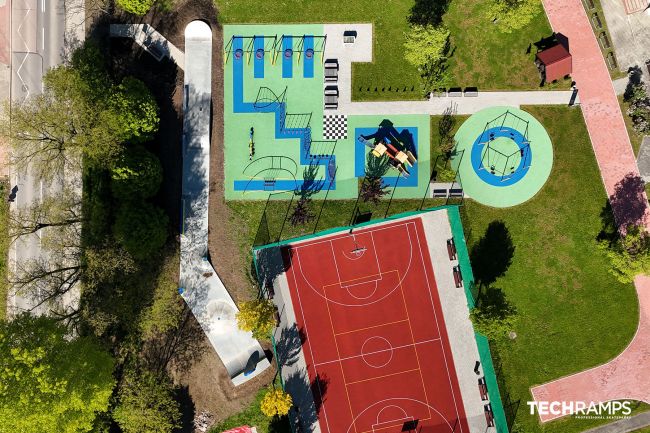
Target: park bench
(451, 249)
(482, 389)
(489, 416)
(604, 40)
(611, 61)
(595, 19)
(458, 277)
(470, 92)
(455, 92)
(331, 70)
(331, 97)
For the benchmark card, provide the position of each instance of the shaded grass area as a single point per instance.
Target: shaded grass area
(635, 137)
(4, 246)
(572, 313)
(482, 56)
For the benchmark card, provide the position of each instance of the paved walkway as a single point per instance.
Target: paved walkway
(201, 287)
(624, 425)
(150, 40)
(629, 33)
(624, 377)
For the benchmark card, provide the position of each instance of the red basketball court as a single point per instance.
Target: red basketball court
(376, 345)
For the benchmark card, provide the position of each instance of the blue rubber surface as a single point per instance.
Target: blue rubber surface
(308, 71)
(287, 63)
(259, 63)
(484, 172)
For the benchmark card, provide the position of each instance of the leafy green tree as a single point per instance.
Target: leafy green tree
(427, 48)
(136, 7)
(135, 109)
(141, 228)
(629, 253)
(258, 317)
(495, 316)
(146, 404)
(137, 174)
(511, 15)
(50, 383)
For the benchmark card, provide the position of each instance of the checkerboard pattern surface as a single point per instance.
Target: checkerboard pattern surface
(335, 126)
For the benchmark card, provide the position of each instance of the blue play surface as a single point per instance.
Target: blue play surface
(498, 179)
(360, 152)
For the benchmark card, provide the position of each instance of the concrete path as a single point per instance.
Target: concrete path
(201, 287)
(629, 33)
(150, 40)
(361, 51)
(624, 377)
(624, 425)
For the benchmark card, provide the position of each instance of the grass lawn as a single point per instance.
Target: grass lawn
(482, 57)
(572, 313)
(635, 137)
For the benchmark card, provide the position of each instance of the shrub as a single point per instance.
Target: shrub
(141, 228)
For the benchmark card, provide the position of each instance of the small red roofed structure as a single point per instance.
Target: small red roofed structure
(554, 63)
(242, 429)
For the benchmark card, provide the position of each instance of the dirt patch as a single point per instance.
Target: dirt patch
(204, 380)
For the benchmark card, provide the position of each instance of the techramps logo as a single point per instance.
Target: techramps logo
(582, 409)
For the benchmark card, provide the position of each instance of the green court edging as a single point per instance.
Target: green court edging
(485, 355)
(462, 253)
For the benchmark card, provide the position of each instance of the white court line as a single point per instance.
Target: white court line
(304, 277)
(435, 316)
(306, 243)
(376, 351)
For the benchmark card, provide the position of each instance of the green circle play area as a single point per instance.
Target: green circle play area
(503, 156)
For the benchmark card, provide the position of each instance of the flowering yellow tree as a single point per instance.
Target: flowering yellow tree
(276, 402)
(258, 317)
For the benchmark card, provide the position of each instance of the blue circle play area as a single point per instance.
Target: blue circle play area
(503, 156)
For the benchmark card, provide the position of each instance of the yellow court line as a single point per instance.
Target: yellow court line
(417, 357)
(360, 278)
(381, 377)
(371, 327)
(338, 354)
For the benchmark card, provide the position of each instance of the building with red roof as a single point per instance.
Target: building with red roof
(554, 63)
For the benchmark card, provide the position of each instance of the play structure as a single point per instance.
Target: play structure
(303, 47)
(506, 147)
(388, 142)
(503, 156)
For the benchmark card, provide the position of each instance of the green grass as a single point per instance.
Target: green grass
(572, 313)
(4, 247)
(635, 137)
(482, 57)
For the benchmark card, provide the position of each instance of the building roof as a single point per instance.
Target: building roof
(553, 54)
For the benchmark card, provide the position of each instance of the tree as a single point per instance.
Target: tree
(511, 15)
(137, 174)
(258, 317)
(629, 253)
(146, 403)
(135, 109)
(141, 228)
(427, 48)
(276, 402)
(49, 382)
(136, 7)
(495, 316)
(373, 187)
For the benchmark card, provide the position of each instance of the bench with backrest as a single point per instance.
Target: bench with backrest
(458, 277)
(451, 249)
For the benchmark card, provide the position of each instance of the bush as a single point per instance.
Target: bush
(135, 110)
(137, 174)
(628, 253)
(141, 228)
(276, 402)
(258, 317)
(639, 108)
(495, 316)
(136, 7)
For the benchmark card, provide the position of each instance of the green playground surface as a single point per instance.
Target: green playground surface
(533, 177)
(280, 158)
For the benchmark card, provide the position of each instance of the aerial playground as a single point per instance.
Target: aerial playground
(278, 125)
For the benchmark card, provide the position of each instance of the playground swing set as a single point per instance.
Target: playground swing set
(275, 46)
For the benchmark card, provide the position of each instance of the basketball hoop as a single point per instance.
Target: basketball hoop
(358, 250)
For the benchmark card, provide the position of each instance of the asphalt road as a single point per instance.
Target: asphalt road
(38, 40)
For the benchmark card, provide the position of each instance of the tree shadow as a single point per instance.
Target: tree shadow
(188, 410)
(608, 231)
(628, 201)
(271, 263)
(492, 255)
(494, 301)
(289, 344)
(308, 398)
(427, 12)
(634, 75)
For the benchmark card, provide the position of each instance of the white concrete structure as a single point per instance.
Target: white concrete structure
(201, 287)
(361, 51)
(150, 40)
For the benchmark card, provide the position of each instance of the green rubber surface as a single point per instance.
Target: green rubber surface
(477, 189)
